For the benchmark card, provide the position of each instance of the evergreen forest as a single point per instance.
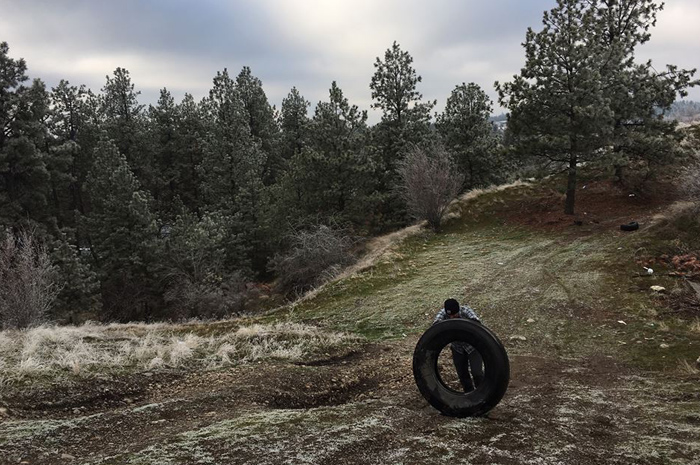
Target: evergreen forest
(184, 209)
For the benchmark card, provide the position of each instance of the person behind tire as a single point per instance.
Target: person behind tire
(464, 356)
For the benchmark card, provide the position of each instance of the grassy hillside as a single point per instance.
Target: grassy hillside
(603, 368)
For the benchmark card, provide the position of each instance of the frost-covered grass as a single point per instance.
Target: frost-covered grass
(94, 348)
(695, 326)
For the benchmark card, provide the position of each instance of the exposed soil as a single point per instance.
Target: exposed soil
(600, 206)
(556, 411)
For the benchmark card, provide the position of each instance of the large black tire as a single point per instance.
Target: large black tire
(448, 401)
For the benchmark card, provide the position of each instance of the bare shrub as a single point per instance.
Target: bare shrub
(316, 255)
(196, 280)
(27, 281)
(690, 184)
(209, 297)
(429, 182)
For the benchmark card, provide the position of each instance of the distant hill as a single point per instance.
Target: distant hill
(685, 111)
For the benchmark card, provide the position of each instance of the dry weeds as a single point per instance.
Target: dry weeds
(91, 348)
(688, 368)
(695, 326)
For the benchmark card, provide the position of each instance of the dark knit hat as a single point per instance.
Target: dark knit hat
(451, 306)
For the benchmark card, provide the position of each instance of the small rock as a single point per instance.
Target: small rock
(658, 289)
(530, 320)
(3, 410)
(697, 362)
(67, 457)
(664, 346)
(76, 410)
(518, 338)
(622, 322)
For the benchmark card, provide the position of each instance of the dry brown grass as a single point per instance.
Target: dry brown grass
(695, 326)
(93, 348)
(688, 368)
(663, 327)
(675, 210)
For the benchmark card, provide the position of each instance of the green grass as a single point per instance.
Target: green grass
(575, 287)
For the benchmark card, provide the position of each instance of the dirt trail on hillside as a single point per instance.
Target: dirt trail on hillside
(361, 406)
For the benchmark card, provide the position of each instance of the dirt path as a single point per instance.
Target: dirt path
(362, 406)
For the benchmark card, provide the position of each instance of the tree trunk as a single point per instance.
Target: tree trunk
(571, 185)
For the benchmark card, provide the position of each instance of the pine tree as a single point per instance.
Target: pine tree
(163, 143)
(122, 230)
(191, 134)
(294, 123)
(232, 171)
(24, 177)
(469, 135)
(78, 283)
(405, 122)
(331, 176)
(74, 135)
(261, 121)
(580, 91)
(123, 119)
(405, 117)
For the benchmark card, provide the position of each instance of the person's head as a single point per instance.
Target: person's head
(452, 308)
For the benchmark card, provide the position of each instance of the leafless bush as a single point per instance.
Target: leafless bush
(209, 297)
(691, 184)
(316, 255)
(27, 281)
(429, 182)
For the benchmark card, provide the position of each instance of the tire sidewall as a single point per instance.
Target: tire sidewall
(496, 374)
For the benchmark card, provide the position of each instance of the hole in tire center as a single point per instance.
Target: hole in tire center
(460, 368)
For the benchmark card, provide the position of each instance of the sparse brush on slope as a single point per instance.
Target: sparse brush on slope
(316, 255)
(690, 184)
(27, 281)
(429, 182)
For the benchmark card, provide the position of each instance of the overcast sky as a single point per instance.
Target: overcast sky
(304, 43)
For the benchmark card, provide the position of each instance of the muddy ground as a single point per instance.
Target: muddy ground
(360, 406)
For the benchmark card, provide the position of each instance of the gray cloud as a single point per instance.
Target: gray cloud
(302, 43)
